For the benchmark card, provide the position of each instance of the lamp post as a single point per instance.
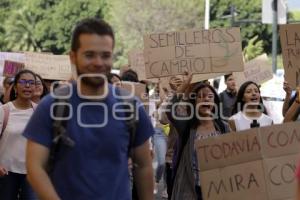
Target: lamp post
(207, 11)
(274, 35)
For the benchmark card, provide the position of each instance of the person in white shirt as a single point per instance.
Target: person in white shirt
(249, 110)
(14, 116)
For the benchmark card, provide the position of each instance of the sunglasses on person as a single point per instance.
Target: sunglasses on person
(24, 82)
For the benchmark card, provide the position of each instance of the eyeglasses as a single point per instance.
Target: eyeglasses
(24, 82)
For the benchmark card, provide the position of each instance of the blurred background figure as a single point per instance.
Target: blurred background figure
(114, 79)
(228, 96)
(40, 89)
(14, 116)
(249, 110)
(7, 85)
(130, 76)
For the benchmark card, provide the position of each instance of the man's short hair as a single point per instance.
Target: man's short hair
(90, 26)
(226, 76)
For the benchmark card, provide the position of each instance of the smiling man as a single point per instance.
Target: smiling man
(95, 167)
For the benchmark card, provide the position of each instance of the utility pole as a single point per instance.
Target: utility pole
(274, 35)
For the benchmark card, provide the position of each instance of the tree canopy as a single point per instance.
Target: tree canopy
(43, 25)
(46, 25)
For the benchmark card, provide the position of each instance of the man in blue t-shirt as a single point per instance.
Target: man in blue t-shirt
(96, 166)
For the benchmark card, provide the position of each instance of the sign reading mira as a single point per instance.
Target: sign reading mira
(255, 164)
(197, 51)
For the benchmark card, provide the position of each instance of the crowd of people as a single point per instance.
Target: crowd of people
(77, 144)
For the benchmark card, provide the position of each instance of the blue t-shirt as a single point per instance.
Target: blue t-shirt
(97, 166)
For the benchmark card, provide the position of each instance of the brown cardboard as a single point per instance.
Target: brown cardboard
(137, 89)
(201, 77)
(54, 67)
(212, 185)
(242, 181)
(178, 66)
(273, 162)
(228, 149)
(197, 51)
(137, 62)
(258, 70)
(281, 139)
(290, 45)
(280, 176)
(11, 68)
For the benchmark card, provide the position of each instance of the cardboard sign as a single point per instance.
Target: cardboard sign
(257, 163)
(257, 70)
(197, 51)
(242, 181)
(137, 63)
(15, 57)
(230, 149)
(136, 89)
(290, 45)
(11, 68)
(280, 176)
(53, 67)
(201, 77)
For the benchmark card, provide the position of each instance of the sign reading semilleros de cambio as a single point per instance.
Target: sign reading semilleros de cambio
(197, 51)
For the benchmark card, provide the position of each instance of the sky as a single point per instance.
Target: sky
(294, 4)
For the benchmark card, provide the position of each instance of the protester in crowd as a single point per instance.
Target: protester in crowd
(204, 122)
(216, 83)
(7, 85)
(293, 112)
(174, 83)
(130, 75)
(249, 110)
(114, 79)
(14, 116)
(228, 96)
(40, 89)
(92, 161)
(159, 139)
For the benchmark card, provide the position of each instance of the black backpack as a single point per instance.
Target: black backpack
(61, 113)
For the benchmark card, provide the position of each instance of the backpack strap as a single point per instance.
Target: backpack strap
(6, 111)
(132, 121)
(61, 112)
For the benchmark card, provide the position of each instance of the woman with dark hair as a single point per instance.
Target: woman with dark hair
(195, 118)
(40, 89)
(130, 76)
(114, 79)
(249, 110)
(14, 116)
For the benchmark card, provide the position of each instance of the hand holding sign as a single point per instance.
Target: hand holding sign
(186, 82)
(287, 88)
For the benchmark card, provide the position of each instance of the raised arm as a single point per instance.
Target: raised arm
(176, 109)
(288, 92)
(143, 172)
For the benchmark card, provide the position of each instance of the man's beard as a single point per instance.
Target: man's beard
(95, 82)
